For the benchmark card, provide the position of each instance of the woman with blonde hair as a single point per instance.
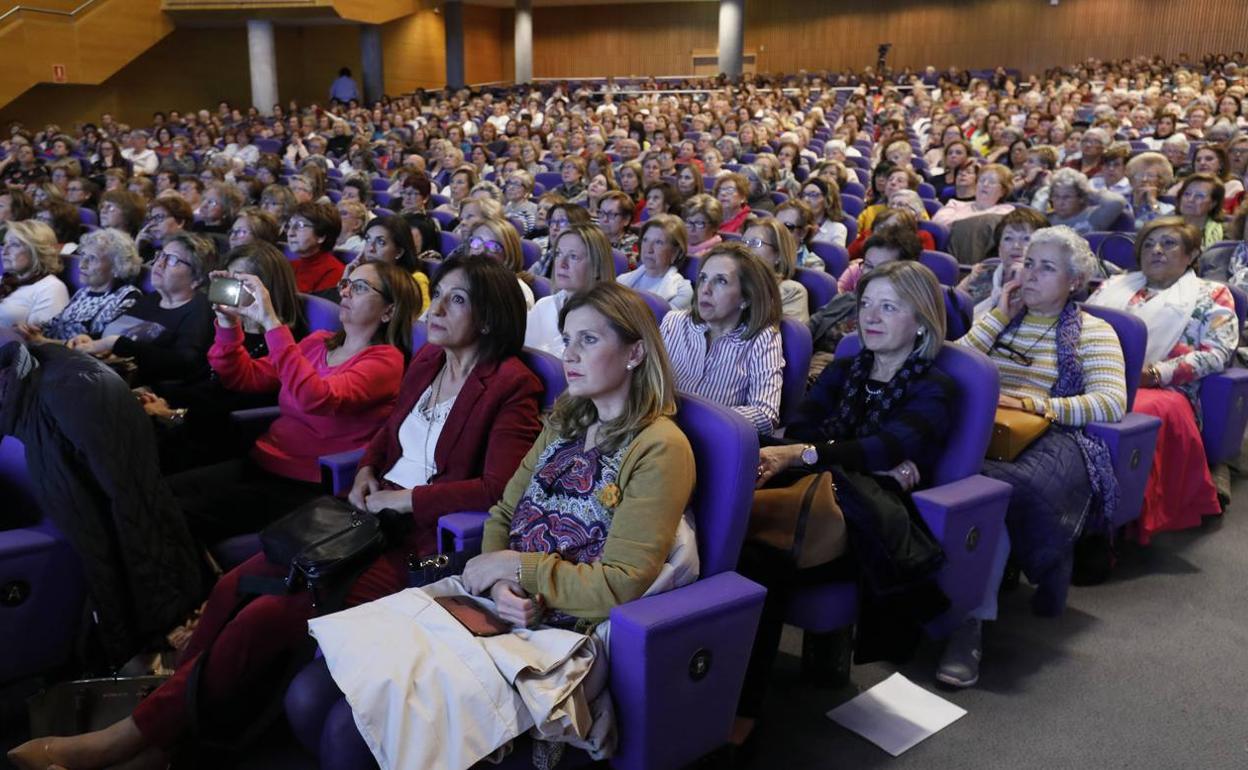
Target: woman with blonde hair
(582, 259)
(663, 248)
(726, 347)
(497, 238)
(771, 241)
(30, 292)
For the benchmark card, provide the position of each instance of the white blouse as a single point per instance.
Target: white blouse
(418, 438)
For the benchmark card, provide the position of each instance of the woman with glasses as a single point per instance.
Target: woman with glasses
(167, 332)
(771, 242)
(582, 259)
(661, 257)
(251, 225)
(726, 347)
(703, 216)
(414, 193)
(733, 191)
(310, 235)
(991, 192)
(1192, 332)
(560, 215)
(516, 204)
(1150, 175)
(1200, 204)
(824, 200)
(30, 292)
(107, 262)
(166, 217)
(798, 220)
(464, 418)
(1072, 202)
(497, 238)
(1058, 362)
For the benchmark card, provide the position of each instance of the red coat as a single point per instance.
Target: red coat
(318, 272)
(491, 427)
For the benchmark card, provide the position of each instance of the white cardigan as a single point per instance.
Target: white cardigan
(673, 286)
(542, 329)
(35, 304)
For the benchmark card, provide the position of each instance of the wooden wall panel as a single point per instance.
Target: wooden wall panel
(656, 39)
(414, 51)
(485, 30)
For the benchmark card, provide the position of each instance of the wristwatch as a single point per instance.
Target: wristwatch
(810, 455)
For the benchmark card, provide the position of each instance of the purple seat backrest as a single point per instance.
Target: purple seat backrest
(854, 188)
(1133, 337)
(778, 197)
(693, 266)
(621, 262)
(657, 304)
(820, 286)
(945, 266)
(437, 199)
(448, 242)
(974, 409)
(940, 233)
(87, 217)
(19, 490)
(321, 313)
(851, 225)
(798, 346)
(145, 280)
(926, 191)
(420, 335)
(725, 450)
(548, 179)
(432, 266)
(1113, 247)
(540, 286)
(445, 218)
(71, 272)
(383, 199)
(531, 252)
(835, 258)
(380, 184)
(852, 204)
(1241, 305)
(549, 370)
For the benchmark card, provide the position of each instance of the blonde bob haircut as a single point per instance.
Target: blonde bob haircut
(505, 233)
(917, 287)
(674, 229)
(651, 391)
(760, 292)
(601, 260)
(40, 240)
(786, 248)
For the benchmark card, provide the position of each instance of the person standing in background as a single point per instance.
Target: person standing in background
(344, 88)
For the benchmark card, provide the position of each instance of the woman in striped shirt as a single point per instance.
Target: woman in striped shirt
(726, 348)
(1054, 360)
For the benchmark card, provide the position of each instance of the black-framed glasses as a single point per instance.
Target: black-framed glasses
(169, 259)
(357, 286)
(1013, 353)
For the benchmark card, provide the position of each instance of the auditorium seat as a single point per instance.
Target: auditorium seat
(835, 258)
(798, 347)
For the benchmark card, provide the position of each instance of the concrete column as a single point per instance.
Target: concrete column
(453, 12)
(731, 36)
(370, 58)
(524, 41)
(263, 60)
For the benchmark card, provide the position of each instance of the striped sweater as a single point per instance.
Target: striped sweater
(1105, 391)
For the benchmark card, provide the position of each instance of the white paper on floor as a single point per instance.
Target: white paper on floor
(896, 714)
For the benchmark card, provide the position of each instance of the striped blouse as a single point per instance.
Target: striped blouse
(743, 374)
(1105, 392)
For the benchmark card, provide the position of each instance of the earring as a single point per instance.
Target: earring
(485, 330)
(629, 366)
(744, 305)
(920, 331)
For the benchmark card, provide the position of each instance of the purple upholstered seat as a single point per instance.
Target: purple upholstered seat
(820, 286)
(835, 258)
(677, 659)
(448, 242)
(852, 204)
(658, 305)
(798, 348)
(322, 314)
(1224, 402)
(964, 509)
(1117, 248)
(940, 233)
(945, 266)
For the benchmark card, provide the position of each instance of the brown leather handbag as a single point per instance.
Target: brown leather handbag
(802, 518)
(1013, 430)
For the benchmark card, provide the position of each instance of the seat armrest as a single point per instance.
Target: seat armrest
(678, 661)
(338, 471)
(1131, 444)
(461, 531)
(260, 416)
(967, 518)
(1224, 405)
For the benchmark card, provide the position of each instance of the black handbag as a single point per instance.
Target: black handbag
(323, 544)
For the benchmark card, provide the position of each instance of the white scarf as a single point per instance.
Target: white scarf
(1166, 314)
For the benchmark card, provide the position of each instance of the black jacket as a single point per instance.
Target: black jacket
(92, 457)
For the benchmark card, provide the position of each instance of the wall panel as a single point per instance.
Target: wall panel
(643, 39)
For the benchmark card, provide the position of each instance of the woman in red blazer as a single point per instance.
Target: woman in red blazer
(466, 415)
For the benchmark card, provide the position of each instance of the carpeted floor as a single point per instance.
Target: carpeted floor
(1149, 670)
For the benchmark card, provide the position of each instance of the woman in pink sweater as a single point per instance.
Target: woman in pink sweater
(335, 391)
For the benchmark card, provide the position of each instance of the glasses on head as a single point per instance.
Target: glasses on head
(169, 259)
(1012, 353)
(357, 286)
(757, 243)
(482, 244)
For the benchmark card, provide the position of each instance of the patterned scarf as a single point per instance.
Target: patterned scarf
(1096, 457)
(860, 413)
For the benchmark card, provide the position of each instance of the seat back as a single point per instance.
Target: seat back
(945, 266)
(548, 179)
(1115, 248)
(693, 266)
(71, 272)
(820, 286)
(420, 335)
(445, 218)
(835, 258)
(657, 304)
(549, 369)
(1133, 337)
(530, 252)
(621, 262)
(725, 450)
(974, 408)
(321, 313)
(959, 312)
(798, 347)
(447, 242)
(541, 287)
(88, 216)
(939, 233)
(852, 204)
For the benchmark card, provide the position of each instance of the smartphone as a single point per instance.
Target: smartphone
(473, 616)
(225, 291)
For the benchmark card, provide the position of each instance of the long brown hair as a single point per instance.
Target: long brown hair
(398, 289)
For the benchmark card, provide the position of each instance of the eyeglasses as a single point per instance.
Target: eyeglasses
(155, 219)
(240, 232)
(357, 286)
(1012, 353)
(697, 224)
(757, 243)
(1192, 195)
(791, 226)
(1166, 244)
(298, 224)
(169, 259)
(812, 195)
(493, 247)
(608, 215)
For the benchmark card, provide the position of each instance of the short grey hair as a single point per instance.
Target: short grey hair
(1069, 177)
(1099, 134)
(118, 247)
(1080, 261)
(489, 188)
